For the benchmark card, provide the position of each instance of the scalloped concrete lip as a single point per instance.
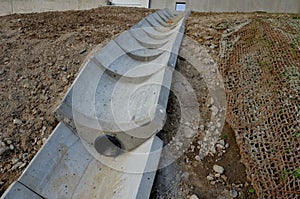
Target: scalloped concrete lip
(123, 89)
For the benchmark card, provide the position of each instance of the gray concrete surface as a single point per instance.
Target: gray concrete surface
(123, 89)
(19, 191)
(272, 6)
(63, 168)
(29, 6)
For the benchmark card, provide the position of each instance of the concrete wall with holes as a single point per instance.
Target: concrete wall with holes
(28, 6)
(271, 6)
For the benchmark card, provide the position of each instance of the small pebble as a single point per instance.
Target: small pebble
(7, 166)
(16, 166)
(82, 51)
(209, 177)
(214, 110)
(194, 197)
(24, 155)
(218, 169)
(202, 127)
(210, 102)
(8, 142)
(219, 146)
(17, 121)
(222, 142)
(22, 165)
(224, 177)
(14, 161)
(233, 193)
(11, 147)
(39, 142)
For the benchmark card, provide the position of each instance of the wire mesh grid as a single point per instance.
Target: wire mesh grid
(261, 71)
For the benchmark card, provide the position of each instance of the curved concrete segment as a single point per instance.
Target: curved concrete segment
(122, 90)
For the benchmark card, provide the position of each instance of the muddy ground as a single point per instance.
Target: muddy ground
(40, 55)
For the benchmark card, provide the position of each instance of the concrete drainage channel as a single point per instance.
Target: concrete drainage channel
(105, 145)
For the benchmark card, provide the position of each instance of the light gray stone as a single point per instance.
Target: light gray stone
(17, 121)
(194, 197)
(234, 193)
(202, 127)
(210, 177)
(218, 169)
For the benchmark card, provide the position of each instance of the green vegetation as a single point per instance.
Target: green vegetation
(274, 150)
(284, 173)
(295, 173)
(251, 190)
(296, 135)
(224, 136)
(296, 17)
(293, 49)
(287, 150)
(281, 112)
(290, 73)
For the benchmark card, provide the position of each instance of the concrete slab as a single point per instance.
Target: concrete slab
(18, 191)
(63, 168)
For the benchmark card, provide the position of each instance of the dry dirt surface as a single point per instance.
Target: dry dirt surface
(40, 55)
